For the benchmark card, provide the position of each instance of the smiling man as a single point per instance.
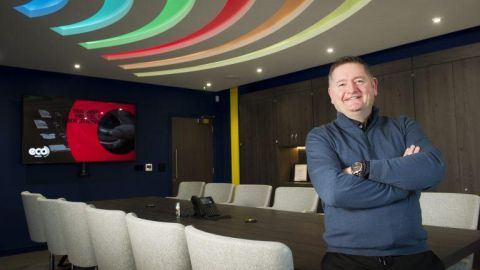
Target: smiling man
(369, 171)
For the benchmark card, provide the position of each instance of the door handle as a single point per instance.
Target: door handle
(176, 164)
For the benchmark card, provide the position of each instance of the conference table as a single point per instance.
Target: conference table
(301, 232)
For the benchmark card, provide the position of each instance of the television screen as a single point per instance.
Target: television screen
(65, 130)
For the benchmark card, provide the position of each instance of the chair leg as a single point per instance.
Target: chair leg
(52, 261)
(62, 261)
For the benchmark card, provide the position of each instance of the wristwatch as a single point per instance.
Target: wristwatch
(360, 168)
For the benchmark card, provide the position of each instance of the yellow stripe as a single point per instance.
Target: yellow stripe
(234, 139)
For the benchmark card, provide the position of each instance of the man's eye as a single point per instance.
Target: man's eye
(341, 85)
(360, 81)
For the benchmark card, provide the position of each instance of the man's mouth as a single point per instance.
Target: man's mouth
(352, 98)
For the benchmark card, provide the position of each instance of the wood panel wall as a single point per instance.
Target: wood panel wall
(441, 91)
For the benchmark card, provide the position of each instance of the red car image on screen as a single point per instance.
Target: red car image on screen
(101, 131)
(65, 130)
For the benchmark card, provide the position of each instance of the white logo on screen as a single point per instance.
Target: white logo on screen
(39, 152)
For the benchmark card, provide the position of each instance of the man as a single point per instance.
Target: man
(369, 171)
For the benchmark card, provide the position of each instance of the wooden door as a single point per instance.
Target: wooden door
(258, 150)
(467, 97)
(192, 151)
(435, 112)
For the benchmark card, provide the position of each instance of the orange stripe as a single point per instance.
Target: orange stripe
(289, 11)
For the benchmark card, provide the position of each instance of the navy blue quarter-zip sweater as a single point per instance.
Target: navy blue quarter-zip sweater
(378, 216)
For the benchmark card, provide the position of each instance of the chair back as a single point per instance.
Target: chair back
(220, 192)
(52, 222)
(77, 236)
(453, 210)
(210, 251)
(252, 195)
(33, 216)
(109, 235)
(187, 189)
(158, 245)
(296, 199)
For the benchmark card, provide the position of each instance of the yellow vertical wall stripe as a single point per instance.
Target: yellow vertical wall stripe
(234, 138)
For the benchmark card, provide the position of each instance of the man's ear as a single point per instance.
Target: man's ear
(375, 86)
(330, 95)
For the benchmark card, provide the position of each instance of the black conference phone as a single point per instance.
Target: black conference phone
(205, 207)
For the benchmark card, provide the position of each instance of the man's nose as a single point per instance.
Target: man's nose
(352, 87)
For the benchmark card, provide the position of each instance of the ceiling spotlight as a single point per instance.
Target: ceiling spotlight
(437, 20)
(76, 66)
(330, 50)
(259, 70)
(208, 84)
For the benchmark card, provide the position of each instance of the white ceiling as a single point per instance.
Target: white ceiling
(381, 24)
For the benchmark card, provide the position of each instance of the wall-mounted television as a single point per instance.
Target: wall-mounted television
(68, 130)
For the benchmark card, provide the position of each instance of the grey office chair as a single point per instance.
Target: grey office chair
(158, 245)
(453, 210)
(110, 239)
(295, 199)
(252, 195)
(52, 222)
(77, 235)
(187, 189)
(220, 192)
(33, 216)
(210, 251)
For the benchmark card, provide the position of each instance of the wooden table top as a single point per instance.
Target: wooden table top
(301, 232)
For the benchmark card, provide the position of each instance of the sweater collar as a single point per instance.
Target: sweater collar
(345, 122)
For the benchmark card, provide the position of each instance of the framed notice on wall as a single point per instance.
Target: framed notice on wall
(300, 173)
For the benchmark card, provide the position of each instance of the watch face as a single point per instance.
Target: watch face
(356, 168)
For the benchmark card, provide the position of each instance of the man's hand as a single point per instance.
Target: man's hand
(413, 149)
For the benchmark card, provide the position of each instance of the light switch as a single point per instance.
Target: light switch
(148, 167)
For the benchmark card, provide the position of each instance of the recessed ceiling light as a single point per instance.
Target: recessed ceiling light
(76, 66)
(330, 50)
(437, 20)
(208, 84)
(259, 70)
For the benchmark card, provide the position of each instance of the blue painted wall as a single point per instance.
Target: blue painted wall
(155, 106)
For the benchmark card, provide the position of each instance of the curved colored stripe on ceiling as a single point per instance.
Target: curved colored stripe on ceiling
(231, 13)
(109, 13)
(285, 14)
(341, 13)
(37, 8)
(172, 13)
